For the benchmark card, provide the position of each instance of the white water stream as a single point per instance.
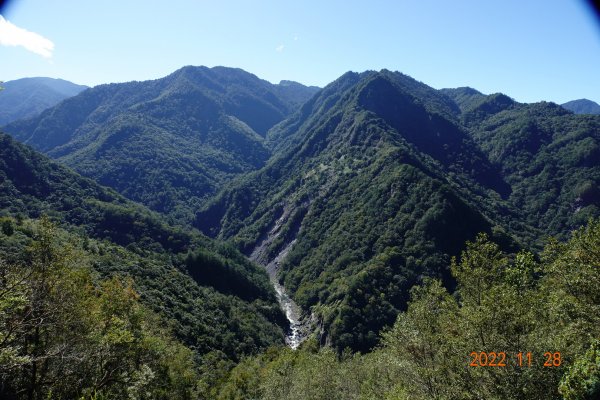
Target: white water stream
(298, 324)
(289, 306)
(292, 312)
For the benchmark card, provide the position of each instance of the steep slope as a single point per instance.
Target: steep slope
(214, 297)
(549, 156)
(582, 106)
(169, 143)
(27, 97)
(32, 185)
(475, 106)
(365, 196)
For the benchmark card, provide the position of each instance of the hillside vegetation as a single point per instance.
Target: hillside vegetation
(170, 143)
(379, 179)
(436, 243)
(547, 310)
(176, 275)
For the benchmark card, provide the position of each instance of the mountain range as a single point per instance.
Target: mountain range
(170, 143)
(206, 183)
(380, 179)
(375, 176)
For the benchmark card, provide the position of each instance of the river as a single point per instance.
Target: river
(293, 312)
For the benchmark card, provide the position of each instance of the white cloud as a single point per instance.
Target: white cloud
(279, 48)
(12, 35)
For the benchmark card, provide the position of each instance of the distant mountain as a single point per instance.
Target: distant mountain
(582, 106)
(379, 179)
(294, 92)
(465, 97)
(215, 299)
(170, 143)
(27, 97)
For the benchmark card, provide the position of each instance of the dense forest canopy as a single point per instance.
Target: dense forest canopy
(547, 310)
(169, 143)
(379, 179)
(174, 275)
(438, 243)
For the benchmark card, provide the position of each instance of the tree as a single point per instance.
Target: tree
(582, 380)
(63, 334)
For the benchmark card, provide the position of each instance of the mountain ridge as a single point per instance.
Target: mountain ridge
(350, 140)
(366, 189)
(27, 97)
(380, 177)
(168, 143)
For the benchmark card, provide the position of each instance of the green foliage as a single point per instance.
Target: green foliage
(379, 163)
(550, 159)
(582, 380)
(373, 188)
(7, 226)
(309, 374)
(506, 305)
(502, 303)
(33, 185)
(206, 315)
(203, 317)
(168, 143)
(466, 98)
(65, 335)
(362, 195)
(245, 281)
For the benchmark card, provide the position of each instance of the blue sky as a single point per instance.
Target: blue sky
(529, 49)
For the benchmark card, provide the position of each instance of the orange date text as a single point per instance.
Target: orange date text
(503, 359)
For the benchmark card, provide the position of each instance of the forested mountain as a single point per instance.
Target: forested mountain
(33, 185)
(207, 294)
(540, 317)
(378, 180)
(295, 93)
(27, 97)
(549, 156)
(168, 143)
(464, 97)
(582, 106)
(361, 199)
(413, 225)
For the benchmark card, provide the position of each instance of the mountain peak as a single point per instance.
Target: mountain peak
(192, 130)
(27, 97)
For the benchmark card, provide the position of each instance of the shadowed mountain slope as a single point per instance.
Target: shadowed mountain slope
(168, 143)
(359, 202)
(214, 297)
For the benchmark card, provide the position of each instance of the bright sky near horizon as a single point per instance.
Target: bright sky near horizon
(529, 49)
